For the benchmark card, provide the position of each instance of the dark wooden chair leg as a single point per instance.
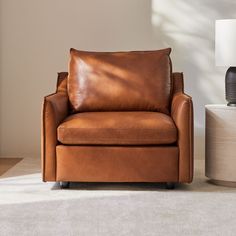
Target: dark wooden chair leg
(64, 184)
(170, 185)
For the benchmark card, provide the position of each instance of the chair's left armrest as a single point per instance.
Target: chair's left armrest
(55, 109)
(182, 114)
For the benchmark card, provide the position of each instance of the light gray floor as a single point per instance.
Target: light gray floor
(30, 207)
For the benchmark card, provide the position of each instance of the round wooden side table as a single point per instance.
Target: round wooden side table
(220, 144)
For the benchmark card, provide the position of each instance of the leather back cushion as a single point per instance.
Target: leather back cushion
(120, 81)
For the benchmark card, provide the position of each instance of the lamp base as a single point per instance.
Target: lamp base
(230, 86)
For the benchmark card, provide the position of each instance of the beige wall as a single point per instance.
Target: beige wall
(35, 37)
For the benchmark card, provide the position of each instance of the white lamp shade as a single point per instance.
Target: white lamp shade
(225, 42)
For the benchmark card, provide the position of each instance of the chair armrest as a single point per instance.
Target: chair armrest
(182, 114)
(55, 109)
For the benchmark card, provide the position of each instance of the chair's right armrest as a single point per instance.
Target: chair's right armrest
(182, 114)
(55, 109)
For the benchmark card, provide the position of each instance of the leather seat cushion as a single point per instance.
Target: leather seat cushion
(117, 128)
(120, 81)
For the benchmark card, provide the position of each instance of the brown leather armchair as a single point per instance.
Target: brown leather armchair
(117, 146)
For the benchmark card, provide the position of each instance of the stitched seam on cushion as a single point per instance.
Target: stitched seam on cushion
(119, 139)
(68, 142)
(103, 128)
(133, 141)
(166, 140)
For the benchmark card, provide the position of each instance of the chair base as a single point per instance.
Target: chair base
(64, 185)
(91, 163)
(170, 185)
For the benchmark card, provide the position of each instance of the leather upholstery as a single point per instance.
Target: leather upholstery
(178, 83)
(182, 114)
(140, 163)
(54, 110)
(120, 81)
(62, 82)
(117, 164)
(117, 128)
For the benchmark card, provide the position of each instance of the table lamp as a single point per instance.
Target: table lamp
(225, 55)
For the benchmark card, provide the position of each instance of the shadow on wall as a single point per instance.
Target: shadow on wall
(188, 27)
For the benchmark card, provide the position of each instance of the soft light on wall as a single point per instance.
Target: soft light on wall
(36, 37)
(188, 27)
